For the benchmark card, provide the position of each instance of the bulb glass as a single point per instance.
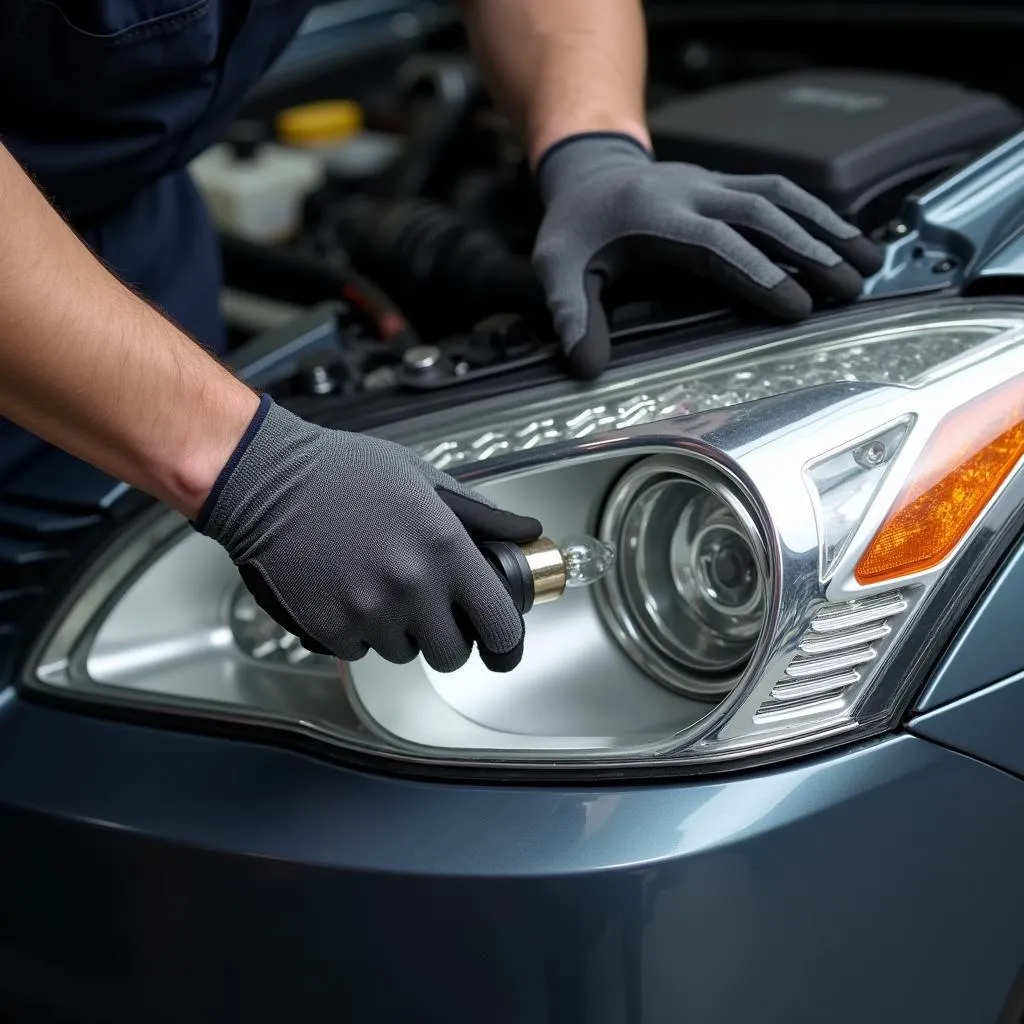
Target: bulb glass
(586, 559)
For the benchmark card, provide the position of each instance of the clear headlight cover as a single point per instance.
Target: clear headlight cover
(771, 509)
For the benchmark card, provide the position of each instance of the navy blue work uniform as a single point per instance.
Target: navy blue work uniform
(104, 103)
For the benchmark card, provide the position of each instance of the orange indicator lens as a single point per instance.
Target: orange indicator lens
(965, 462)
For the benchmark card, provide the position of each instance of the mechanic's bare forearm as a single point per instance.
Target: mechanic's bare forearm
(90, 367)
(558, 67)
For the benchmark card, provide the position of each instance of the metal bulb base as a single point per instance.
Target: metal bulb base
(542, 570)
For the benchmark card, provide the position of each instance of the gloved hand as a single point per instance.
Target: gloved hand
(351, 542)
(609, 206)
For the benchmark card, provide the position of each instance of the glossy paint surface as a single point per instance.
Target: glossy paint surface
(162, 876)
(990, 646)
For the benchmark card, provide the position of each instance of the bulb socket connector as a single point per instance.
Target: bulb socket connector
(533, 573)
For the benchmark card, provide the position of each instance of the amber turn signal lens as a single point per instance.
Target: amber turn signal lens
(965, 462)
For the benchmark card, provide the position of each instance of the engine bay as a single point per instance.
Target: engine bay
(414, 243)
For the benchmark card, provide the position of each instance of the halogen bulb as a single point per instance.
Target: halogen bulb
(586, 560)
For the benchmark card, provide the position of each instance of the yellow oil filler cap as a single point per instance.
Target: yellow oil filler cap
(314, 124)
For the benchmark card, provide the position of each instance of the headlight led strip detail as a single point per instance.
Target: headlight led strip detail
(903, 349)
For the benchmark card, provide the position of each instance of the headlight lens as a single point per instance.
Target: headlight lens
(690, 592)
(741, 494)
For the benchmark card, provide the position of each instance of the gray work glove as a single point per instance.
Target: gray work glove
(610, 207)
(353, 543)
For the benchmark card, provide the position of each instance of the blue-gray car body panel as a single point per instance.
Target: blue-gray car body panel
(205, 879)
(987, 724)
(990, 645)
(1007, 262)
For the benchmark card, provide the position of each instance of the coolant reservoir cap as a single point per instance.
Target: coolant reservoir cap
(245, 138)
(324, 121)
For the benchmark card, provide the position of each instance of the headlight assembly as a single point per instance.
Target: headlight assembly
(789, 516)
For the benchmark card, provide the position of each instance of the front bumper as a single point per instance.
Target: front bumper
(153, 875)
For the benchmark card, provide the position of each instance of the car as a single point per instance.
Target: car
(765, 768)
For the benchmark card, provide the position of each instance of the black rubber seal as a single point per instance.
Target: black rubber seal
(509, 562)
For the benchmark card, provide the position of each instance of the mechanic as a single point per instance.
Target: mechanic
(349, 542)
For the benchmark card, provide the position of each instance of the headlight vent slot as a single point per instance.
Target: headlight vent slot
(839, 647)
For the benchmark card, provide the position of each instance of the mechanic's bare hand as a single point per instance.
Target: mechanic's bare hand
(351, 543)
(610, 206)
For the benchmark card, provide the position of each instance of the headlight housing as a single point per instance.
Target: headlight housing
(774, 509)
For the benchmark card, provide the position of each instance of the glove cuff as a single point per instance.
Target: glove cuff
(577, 156)
(203, 519)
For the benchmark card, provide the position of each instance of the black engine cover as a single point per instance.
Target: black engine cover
(850, 137)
